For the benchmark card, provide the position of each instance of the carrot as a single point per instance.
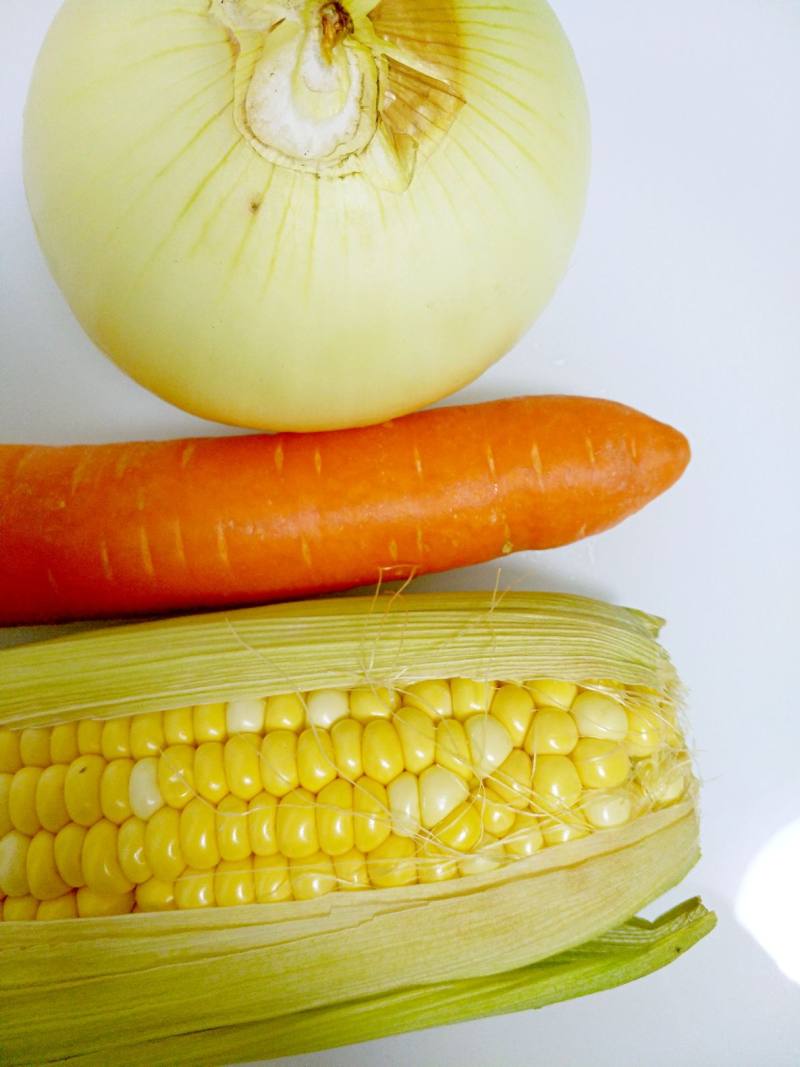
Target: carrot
(106, 530)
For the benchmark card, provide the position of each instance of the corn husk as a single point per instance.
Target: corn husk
(265, 980)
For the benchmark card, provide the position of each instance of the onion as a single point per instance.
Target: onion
(294, 214)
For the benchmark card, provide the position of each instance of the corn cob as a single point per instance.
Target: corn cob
(331, 762)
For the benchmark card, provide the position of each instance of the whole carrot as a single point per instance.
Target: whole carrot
(106, 530)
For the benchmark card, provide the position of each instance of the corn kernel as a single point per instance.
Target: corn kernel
(433, 697)
(162, 845)
(176, 775)
(44, 881)
(179, 726)
(663, 781)
(233, 835)
(417, 733)
(90, 737)
(101, 905)
(130, 851)
(599, 716)
(452, 748)
(5, 815)
(115, 740)
(22, 800)
(115, 791)
(271, 878)
(512, 781)
(403, 796)
(285, 712)
(155, 895)
(279, 762)
(559, 831)
(462, 828)
(470, 697)
(645, 731)
(245, 716)
(435, 864)
(324, 707)
(489, 744)
(145, 795)
(67, 851)
(371, 818)
(552, 733)
(497, 816)
(297, 825)
(346, 736)
(198, 830)
(262, 816)
(20, 909)
(242, 759)
(551, 693)
(195, 889)
(440, 793)
(64, 743)
(233, 883)
(335, 818)
(64, 907)
(50, 804)
(512, 706)
(315, 760)
(34, 746)
(209, 722)
(556, 784)
(605, 810)
(209, 771)
(10, 759)
(312, 877)
(487, 856)
(102, 871)
(147, 735)
(393, 862)
(381, 751)
(525, 837)
(601, 764)
(368, 702)
(351, 870)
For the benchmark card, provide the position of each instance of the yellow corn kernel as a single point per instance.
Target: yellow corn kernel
(462, 828)
(90, 737)
(271, 879)
(558, 831)
(233, 882)
(262, 817)
(5, 815)
(10, 760)
(601, 764)
(665, 780)
(525, 836)
(195, 889)
(296, 825)
(645, 731)
(13, 864)
(96, 905)
(553, 732)
(393, 863)
(556, 784)
(64, 743)
(512, 781)
(147, 734)
(176, 775)
(435, 864)
(417, 733)
(245, 716)
(198, 832)
(34, 746)
(440, 793)
(552, 693)
(179, 726)
(346, 735)
(115, 740)
(67, 851)
(155, 895)
(145, 795)
(285, 712)
(599, 716)
(44, 881)
(605, 810)
(489, 744)
(102, 870)
(115, 786)
(209, 723)
(470, 697)
(64, 907)
(452, 748)
(22, 800)
(381, 751)
(487, 856)
(242, 759)
(233, 836)
(497, 816)
(351, 870)
(312, 877)
(20, 909)
(324, 707)
(335, 818)
(371, 819)
(130, 851)
(279, 762)
(50, 804)
(82, 789)
(433, 697)
(315, 760)
(209, 771)
(403, 796)
(513, 707)
(162, 845)
(368, 702)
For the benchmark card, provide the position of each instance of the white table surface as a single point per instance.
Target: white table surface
(682, 300)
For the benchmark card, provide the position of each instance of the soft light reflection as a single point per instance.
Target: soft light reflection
(767, 904)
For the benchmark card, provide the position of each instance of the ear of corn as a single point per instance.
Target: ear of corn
(501, 779)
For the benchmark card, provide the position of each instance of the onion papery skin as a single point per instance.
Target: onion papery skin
(262, 294)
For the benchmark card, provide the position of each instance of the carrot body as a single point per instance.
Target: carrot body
(106, 530)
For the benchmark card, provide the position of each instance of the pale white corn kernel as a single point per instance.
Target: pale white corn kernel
(245, 716)
(600, 716)
(489, 744)
(488, 855)
(324, 707)
(604, 810)
(403, 795)
(440, 792)
(145, 795)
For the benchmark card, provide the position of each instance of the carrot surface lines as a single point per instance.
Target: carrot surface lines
(147, 556)
(179, 545)
(78, 473)
(186, 454)
(278, 458)
(317, 461)
(590, 451)
(536, 463)
(306, 552)
(222, 545)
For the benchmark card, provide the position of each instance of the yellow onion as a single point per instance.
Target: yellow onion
(304, 214)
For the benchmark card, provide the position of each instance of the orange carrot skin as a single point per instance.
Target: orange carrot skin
(120, 529)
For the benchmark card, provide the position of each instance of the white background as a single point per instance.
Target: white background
(682, 300)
